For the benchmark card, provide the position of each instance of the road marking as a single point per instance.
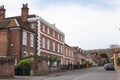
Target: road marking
(78, 78)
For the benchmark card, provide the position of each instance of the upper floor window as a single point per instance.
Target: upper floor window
(69, 52)
(53, 46)
(61, 38)
(66, 52)
(33, 25)
(48, 44)
(58, 36)
(53, 33)
(61, 48)
(72, 54)
(24, 40)
(31, 40)
(43, 42)
(43, 28)
(48, 30)
(58, 48)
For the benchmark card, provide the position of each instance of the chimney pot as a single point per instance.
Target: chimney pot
(2, 12)
(24, 13)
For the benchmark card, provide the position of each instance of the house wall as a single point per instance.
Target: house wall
(27, 48)
(4, 42)
(14, 44)
(67, 55)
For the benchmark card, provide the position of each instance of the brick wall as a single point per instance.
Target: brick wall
(3, 42)
(6, 67)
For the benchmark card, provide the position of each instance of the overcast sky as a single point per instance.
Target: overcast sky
(89, 24)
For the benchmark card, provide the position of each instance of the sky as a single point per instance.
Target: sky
(89, 24)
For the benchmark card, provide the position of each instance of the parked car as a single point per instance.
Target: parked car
(109, 66)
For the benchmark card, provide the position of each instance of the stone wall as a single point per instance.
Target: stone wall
(39, 67)
(6, 67)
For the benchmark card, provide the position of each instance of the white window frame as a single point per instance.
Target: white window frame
(61, 49)
(33, 25)
(48, 30)
(31, 54)
(43, 42)
(66, 52)
(53, 33)
(25, 54)
(48, 44)
(24, 36)
(43, 28)
(58, 36)
(72, 53)
(53, 46)
(58, 48)
(61, 38)
(69, 52)
(31, 40)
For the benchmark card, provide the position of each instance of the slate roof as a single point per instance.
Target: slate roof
(13, 22)
(19, 17)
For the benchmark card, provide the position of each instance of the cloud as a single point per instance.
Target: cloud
(87, 26)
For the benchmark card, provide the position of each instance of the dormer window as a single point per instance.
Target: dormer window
(33, 25)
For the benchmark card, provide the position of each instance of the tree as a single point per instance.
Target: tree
(104, 56)
(118, 61)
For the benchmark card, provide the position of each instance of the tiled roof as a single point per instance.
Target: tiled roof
(19, 17)
(12, 22)
(24, 25)
(4, 24)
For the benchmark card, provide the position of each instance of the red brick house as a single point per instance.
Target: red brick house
(27, 35)
(78, 57)
(16, 36)
(50, 40)
(67, 55)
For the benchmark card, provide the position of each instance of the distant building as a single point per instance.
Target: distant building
(68, 55)
(78, 57)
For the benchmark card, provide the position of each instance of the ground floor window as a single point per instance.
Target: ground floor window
(25, 54)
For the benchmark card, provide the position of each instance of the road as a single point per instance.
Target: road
(97, 73)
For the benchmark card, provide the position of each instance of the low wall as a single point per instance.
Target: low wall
(6, 67)
(39, 68)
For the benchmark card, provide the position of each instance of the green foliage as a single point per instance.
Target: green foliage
(88, 64)
(103, 56)
(41, 58)
(25, 62)
(53, 59)
(118, 61)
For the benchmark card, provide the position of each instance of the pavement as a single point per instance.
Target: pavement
(42, 77)
(48, 76)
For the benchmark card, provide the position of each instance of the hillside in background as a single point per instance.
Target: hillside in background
(108, 51)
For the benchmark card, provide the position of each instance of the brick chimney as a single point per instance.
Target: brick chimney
(2, 12)
(24, 13)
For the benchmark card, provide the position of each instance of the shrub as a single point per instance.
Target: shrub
(25, 62)
(118, 61)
